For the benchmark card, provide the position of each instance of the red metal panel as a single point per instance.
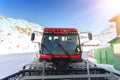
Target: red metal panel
(75, 56)
(60, 30)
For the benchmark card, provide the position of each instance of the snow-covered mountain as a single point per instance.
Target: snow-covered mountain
(106, 35)
(101, 40)
(15, 35)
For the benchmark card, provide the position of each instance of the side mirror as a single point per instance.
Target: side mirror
(90, 36)
(32, 36)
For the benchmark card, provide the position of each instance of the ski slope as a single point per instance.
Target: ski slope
(12, 63)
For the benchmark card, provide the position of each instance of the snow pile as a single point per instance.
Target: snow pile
(88, 45)
(15, 35)
(91, 45)
(104, 66)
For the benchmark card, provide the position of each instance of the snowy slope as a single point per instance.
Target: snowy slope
(15, 35)
(106, 35)
(12, 63)
(101, 40)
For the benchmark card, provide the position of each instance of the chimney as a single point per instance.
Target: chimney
(116, 19)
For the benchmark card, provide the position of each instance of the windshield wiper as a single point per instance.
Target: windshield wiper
(48, 50)
(64, 50)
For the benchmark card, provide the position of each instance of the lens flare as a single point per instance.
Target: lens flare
(112, 6)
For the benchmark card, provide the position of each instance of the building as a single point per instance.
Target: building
(116, 41)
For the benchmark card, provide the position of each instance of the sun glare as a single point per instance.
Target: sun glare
(112, 5)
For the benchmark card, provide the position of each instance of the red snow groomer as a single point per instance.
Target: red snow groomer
(60, 58)
(60, 46)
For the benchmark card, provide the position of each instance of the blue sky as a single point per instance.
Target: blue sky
(87, 15)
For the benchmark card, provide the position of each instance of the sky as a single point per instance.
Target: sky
(86, 15)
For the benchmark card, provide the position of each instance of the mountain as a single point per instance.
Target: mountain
(106, 35)
(15, 34)
(101, 40)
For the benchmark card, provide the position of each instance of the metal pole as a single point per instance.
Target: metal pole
(43, 73)
(88, 71)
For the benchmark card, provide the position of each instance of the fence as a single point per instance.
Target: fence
(105, 55)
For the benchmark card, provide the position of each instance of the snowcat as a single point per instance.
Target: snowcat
(60, 58)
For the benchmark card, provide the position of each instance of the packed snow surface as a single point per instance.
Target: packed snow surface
(11, 63)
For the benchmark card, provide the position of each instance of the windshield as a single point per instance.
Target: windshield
(61, 44)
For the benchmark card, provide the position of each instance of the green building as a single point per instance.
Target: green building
(116, 46)
(116, 41)
(111, 54)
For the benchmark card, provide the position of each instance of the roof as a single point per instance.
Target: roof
(60, 30)
(92, 43)
(115, 40)
(115, 18)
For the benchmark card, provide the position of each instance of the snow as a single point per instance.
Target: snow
(14, 36)
(106, 35)
(105, 66)
(9, 64)
(93, 42)
(17, 47)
